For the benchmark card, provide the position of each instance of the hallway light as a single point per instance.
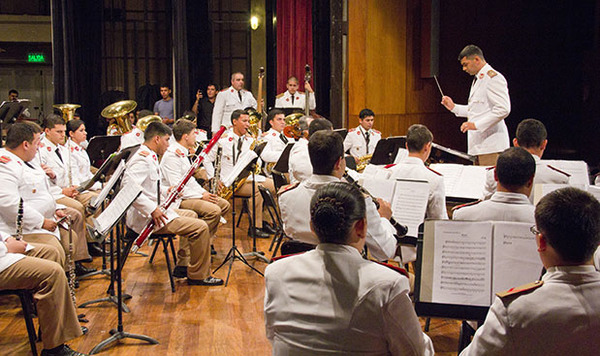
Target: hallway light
(254, 23)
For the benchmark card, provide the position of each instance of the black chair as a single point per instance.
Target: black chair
(273, 210)
(26, 298)
(167, 241)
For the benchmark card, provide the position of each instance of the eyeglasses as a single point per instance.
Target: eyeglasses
(534, 230)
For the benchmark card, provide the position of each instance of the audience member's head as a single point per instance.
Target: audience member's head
(319, 124)
(515, 169)
(13, 95)
(335, 210)
(531, 133)
(417, 138)
(326, 151)
(568, 220)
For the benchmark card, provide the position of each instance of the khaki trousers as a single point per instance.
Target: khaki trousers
(79, 203)
(488, 159)
(56, 312)
(193, 236)
(246, 191)
(209, 212)
(47, 246)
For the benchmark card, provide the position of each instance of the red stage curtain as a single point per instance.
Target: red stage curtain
(294, 41)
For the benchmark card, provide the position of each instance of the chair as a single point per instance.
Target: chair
(167, 241)
(273, 210)
(26, 298)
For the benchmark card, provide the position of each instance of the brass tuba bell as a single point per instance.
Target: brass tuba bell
(67, 110)
(147, 120)
(255, 119)
(119, 111)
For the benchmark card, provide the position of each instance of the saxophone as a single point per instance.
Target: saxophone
(227, 192)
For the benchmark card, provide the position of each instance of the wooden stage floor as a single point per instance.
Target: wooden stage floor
(192, 321)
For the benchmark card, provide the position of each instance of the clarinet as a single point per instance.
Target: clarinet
(214, 187)
(143, 236)
(71, 263)
(401, 230)
(19, 233)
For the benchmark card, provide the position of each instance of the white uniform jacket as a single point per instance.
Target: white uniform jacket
(489, 104)
(132, 138)
(7, 259)
(284, 100)
(48, 156)
(332, 301)
(276, 143)
(230, 153)
(294, 204)
(561, 317)
(30, 183)
(299, 167)
(226, 102)
(544, 174)
(503, 206)
(143, 169)
(414, 168)
(80, 164)
(174, 165)
(356, 141)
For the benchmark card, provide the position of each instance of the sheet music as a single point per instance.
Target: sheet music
(462, 181)
(462, 268)
(242, 162)
(516, 261)
(95, 203)
(409, 203)
(117, 207)
(379, 188)
(577, 169)
(595, 191)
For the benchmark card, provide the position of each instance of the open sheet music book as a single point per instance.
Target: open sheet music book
(462, 181)
(95, 202)
(467, 262)
(578, 170)
(117, 207)
(540, 190)
(242, 162)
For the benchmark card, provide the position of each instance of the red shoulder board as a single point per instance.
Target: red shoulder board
(390, 165)
(518, 290)
(287, 188)
(377, 132)
(285, 256)
(351, 130)
(492, 73)
(558, 170)
(4, 159)
(466, 204)
(438, 173)
(144, 153)
(400, 270)
(490, 168)
(179, 153)
(200, 130)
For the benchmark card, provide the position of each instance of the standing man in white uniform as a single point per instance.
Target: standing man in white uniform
(233, 98)
(362, 140)
(292, 98)
(488, 106)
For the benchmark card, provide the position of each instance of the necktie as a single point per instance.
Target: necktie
(293, 98)
(58, 154)
(240, 94)
(236, 154)
(474, 81)
(367, 140)
(29, 165)
(283, 138)
(158, 191)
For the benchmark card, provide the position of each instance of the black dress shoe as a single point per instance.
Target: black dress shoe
(95, 250)
(63, 350)
(268, 228)
(180, 272)
(208, 281)
(81, 270)
(258, 233)
(212, 250)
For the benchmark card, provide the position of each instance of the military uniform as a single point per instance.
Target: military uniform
(226, 102)
(489, 105)
(143, 169)
(299, 167)
(284, 100)
(503, 206)
(360, 142)
(276, 143)
(559, 317)
(363, 307)
(294, 204)
(81, 165)
(132, 138)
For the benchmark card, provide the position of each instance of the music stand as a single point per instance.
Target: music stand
(387, 149)
(283, 163)
(255, 253)
(441, 154)
(101, 147)
(341, 132)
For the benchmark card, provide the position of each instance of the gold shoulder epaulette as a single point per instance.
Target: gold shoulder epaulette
(279, 96)
(518, 290)
(144, 153)
(287, 188)
(377, 132)
(179, 153)
(4, 159)
(492, 73)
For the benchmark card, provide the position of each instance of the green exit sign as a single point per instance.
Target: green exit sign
(36, 58)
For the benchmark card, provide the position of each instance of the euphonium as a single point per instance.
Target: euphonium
(147, 120)
(119, 111)
(362, 162)
(67, 110)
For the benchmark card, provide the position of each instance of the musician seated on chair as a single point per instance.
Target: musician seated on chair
(36, 270)
(362, 140)
(234, 142)
(532, 136)
(331, 300)
(276, 140)
(300, 167)
(174, 165)
(292, 98)
(560, 314)
(514, 174)
(326, 151)
(143, 169)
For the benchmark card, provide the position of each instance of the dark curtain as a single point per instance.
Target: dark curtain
(199, 37)
(294, 41)
(76, 48)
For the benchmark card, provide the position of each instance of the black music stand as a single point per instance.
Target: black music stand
(342, 132)
(283, 163)
(100, 147)
(441, 154)
(255, 253)
(387, 149)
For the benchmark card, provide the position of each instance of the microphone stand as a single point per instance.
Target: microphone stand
(259, 255)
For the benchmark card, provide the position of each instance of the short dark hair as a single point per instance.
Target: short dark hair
(182, 127)
(515, 167)
(417, 137)
(325, 148)
(164, 85)
(237, 113)
(214, 85)
(333, 209)
(21, 132)
(156, 129)
(569, 219)
(365, 113)
(319, 124)
(144, 113)
(531, 133)
(52, 120)
(73, 125)
(13, 91)
(470, 51)
(273, 113)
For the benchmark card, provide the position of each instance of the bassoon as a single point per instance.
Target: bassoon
(139, 241)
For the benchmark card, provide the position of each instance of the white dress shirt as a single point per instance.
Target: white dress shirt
(356, 141)
(284, 100)
(276, 143)
(299, 167)
(226, 102)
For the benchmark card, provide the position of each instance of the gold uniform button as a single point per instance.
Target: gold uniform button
(33, 191)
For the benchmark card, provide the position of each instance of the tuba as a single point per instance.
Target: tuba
(118, 111)
(147, 120)
(67, 110)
